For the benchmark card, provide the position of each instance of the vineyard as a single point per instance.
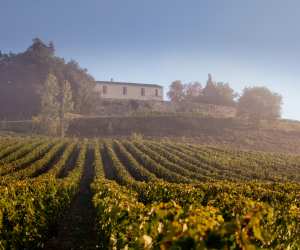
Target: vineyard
(145, 194)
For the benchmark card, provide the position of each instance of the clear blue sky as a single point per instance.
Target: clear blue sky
(245, 43)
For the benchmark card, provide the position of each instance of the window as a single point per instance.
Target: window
(124, 90)
(142, 91)
(156, 92)
(104, 90)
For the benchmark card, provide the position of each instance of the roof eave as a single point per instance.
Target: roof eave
(130, 84)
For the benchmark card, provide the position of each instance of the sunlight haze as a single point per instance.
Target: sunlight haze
(244, 43)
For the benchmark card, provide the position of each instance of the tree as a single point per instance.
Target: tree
(176, 92)
(83, 87)
(56, 101)
(192, 90)
(40, 51)
(48, 117)
(258, 103)
(86, 98)
(218, 93)
(66, 105)
(28, 71)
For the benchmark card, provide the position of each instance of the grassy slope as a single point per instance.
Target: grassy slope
(281, 136)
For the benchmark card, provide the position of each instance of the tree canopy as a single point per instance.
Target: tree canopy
(176, 92)
(218, 93)
(192, 90)
(22, 78)
(257, 103)
(56, 102)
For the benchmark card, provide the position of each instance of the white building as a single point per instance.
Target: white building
(129, 91)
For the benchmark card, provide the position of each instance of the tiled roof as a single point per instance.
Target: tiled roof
(130, 84)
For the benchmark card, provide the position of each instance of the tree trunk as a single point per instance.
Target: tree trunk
(62, 113)
(62, 126)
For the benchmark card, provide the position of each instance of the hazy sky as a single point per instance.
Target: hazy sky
(245, 43)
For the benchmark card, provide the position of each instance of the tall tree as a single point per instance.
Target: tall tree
(258, 103)
(176, 92)
(66, 105)
(48, 117)
(27, 72)
(218, 93)
(192, 90)
(40, 52)
(50, 94)
(56, 102)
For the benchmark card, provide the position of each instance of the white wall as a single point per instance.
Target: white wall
(115, 91)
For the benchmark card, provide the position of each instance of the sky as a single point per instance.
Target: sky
(244, 43)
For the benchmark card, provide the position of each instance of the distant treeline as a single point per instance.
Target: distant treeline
(23, 84)
(255, 103)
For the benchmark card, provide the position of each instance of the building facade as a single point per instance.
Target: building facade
(129, 91)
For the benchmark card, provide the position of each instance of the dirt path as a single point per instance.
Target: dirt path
(77, 228)
(109, 174)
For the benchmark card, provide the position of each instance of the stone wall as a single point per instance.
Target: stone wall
(149, 126)
(107, 107)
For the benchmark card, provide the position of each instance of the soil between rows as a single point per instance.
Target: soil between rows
(77, 229)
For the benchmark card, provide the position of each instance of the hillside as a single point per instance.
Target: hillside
(22, 78)
(276, 136)
(91, 194)
(115, 107)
